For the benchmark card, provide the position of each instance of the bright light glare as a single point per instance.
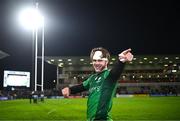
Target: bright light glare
(31, 18)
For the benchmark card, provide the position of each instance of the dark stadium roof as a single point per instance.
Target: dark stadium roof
(142, 66)
(152, 60)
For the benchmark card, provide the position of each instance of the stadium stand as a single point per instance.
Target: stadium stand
(146, 74)
(154, 75)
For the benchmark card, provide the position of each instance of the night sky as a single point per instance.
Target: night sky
(74, 27)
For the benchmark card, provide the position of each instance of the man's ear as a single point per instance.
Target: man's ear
(107, 62)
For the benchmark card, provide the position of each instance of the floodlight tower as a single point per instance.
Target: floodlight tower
(32, 19)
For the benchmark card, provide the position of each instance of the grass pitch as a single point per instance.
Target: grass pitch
(136, 108)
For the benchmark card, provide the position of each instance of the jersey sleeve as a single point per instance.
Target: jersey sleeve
(116, 71)
(87, 82)
(80, 87)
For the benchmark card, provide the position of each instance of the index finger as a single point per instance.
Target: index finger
(126, 51)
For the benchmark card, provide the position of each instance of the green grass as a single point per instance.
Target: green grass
(136, 108)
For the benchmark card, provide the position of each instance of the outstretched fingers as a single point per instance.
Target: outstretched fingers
(126, 51)
(126, 55)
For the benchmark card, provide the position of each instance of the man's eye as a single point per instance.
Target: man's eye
(97, 60)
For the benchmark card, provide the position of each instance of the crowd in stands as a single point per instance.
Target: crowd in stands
(27, 94)
(151, 90)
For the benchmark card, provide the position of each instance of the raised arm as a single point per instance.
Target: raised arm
(117, 69)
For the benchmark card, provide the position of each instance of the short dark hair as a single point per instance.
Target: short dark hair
(104, 51)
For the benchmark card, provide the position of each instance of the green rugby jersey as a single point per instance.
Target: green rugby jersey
(100, 96)
(101, 87)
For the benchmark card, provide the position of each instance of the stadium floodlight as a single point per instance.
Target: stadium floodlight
(31, 18)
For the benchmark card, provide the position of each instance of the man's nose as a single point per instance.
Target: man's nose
(97, 62)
